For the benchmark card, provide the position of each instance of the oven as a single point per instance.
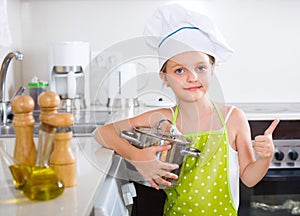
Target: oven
(278, 193)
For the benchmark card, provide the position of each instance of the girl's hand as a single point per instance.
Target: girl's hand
(263, 144)
(151, 168)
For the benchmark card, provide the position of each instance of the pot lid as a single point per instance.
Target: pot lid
(157, 133)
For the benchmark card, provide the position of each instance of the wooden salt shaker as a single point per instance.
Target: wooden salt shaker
(48, 102)
(23, 122)
(62, 159)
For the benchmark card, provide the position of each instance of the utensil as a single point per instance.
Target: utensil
(145, 137)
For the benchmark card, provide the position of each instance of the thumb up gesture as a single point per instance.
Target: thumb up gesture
(263, 144)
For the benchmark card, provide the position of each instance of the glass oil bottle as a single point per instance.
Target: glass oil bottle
(43, 183)
(20, 172)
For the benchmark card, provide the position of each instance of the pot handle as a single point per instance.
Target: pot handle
(192, 152)
(167, 120)
(130, 137)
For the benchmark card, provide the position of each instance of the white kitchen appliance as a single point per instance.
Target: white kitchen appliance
(69, 74)
(122, 86)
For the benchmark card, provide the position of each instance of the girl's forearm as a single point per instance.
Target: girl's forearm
(255, 171)
(109, 138)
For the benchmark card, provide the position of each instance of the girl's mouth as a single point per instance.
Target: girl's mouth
(193, 88)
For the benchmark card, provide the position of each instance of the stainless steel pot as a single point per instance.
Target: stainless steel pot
(145, 137)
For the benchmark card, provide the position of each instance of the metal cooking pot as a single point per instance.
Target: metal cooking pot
(144, 137)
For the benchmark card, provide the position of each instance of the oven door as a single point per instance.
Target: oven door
(277, 194)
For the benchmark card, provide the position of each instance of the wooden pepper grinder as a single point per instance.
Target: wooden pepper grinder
(62, 159)
(23, 122)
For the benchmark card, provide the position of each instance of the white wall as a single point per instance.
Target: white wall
(265, 35)
(14, 74)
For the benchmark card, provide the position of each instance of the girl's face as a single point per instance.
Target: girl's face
(188, 74)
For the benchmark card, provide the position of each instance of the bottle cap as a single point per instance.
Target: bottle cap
(36, 82)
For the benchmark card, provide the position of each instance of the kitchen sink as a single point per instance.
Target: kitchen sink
(85, 122)
(98, 117)
(7, 131)
(83, 130)
(78, 130)
(92, 117)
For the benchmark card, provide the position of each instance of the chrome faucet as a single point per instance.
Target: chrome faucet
(5, 103)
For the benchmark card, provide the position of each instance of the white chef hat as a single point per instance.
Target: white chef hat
(172, 30)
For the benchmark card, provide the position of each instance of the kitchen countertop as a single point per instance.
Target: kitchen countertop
(270, 111)
(93, 163)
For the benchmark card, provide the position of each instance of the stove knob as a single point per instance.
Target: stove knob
(293, 155)
(279, 155)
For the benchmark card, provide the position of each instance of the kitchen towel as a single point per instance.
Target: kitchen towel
(5, 36)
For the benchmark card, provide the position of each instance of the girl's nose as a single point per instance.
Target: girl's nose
(192, 76)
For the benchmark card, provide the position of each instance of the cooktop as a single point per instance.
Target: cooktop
(270, 110)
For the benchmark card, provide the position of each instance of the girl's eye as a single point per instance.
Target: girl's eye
(201, 68)
(179, 70)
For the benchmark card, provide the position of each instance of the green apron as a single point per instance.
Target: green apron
(203, 186)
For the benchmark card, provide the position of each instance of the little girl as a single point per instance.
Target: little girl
(189, 47)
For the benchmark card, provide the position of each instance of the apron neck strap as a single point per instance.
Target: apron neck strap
(174, 119)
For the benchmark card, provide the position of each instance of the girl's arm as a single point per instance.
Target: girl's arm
(252, 170)
(144, 160)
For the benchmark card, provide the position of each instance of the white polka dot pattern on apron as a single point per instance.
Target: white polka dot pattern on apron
(202, 187)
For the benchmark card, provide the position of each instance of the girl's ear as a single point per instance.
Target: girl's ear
(163, 76)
